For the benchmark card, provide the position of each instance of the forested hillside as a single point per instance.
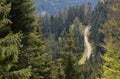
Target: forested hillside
(54, 6)
(76, 43)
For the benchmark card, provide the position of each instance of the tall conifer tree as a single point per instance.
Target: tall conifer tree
(33, 53)
(9, 48)
(70, 55)
(111, 67)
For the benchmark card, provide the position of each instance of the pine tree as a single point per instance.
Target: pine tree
(111, 66)
(33, 48)
(69, 55)
(87, 13)
(22, 15)
(9, 48)
(78, 35)
(98, 19)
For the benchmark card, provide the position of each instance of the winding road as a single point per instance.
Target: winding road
(88, 48)
(87, 44)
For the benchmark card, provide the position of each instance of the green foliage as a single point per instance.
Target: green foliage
(22, 15)
(112, 42)
(70, 56)
(78, 35)
(99, 17)
(70, 41)
(23, 51)
(43, 67)
(70, 64)
(32, 48)
(9, 48)
(59, 25)
(21, 74)
(58, 70)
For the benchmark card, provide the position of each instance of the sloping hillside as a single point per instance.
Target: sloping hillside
(53, 6)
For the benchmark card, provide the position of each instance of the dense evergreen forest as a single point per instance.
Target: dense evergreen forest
(77, 43)
(53, 6)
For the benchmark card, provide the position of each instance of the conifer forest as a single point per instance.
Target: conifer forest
(51, 39)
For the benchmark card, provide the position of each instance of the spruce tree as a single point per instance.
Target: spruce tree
(9, 48)
(78, 35)
(22, 15)
(98, 19)
(33, 48)
(69, 55)
(111, 32)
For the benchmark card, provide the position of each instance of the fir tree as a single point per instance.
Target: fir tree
(78, 35)
(98, 19)
(33, 48)
(70, 56)
(9, 48)
(111, 67)
(22, 15)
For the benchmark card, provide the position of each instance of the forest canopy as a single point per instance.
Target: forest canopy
(77, 43)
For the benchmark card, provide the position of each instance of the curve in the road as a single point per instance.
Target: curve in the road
(88, 48)
(87, 44)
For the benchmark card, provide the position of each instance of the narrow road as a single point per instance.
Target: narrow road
(87, 44)
(88, 48)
